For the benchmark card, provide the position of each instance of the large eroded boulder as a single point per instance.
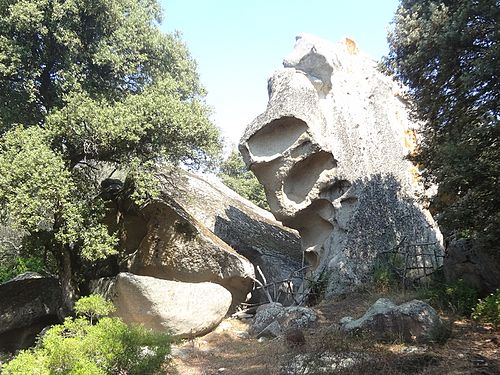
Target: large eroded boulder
(28, 303)
(182, 309)
(166, 242)
(330, 151)
(248, 229)
(413, 321)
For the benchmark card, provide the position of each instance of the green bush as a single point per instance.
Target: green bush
(21, 265)
(488, 309)
(77, 347)
(457, 297)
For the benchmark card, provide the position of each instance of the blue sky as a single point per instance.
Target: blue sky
(238, 44)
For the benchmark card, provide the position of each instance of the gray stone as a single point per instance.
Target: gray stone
(166, 242)
(182, 309)
(413, 321)
(248, 229)
(273, 319)
(28, 303)
(330, 150)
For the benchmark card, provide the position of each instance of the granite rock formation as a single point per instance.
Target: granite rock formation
(28, 303)
(182, 309)
(330, 151)
(413, 321)
(165, 242)
(251, 231)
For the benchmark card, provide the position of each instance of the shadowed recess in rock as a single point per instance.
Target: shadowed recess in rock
(276, 137)
(315, 228)
(306, 173)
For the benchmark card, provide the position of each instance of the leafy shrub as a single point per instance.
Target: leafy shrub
(21, 265)
(457, 297)
(488, 309)
(93, 307)
(77, 347)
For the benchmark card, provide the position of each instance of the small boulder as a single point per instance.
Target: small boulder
(28, 303)
(182, 309)
(413, 321)
(273, 319)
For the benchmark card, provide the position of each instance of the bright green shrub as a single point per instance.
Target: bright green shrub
(21, 265)
(77, 347)
(488, 309)
(93, 307)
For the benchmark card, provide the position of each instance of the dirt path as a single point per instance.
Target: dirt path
(472, 349)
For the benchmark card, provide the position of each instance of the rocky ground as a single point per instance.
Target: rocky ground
(472, 348)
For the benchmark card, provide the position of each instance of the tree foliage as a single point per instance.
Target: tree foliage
(86, 84)
(79, 347)
(235, 175)
(447, 53)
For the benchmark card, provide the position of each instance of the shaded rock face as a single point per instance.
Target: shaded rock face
(474, 266)
(28, 303)
(182, 309)
(330, 151)
(251, 231)
(413, 321)
(167, 243)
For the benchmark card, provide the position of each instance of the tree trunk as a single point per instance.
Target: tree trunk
(69, 286)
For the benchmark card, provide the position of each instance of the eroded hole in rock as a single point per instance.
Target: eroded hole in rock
(314, 228)
(305, 174)
(336, 190)
(276, 137)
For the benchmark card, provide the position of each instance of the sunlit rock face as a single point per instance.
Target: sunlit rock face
(330, 151)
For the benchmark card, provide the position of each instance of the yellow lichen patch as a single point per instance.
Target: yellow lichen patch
(352, 48)
(410, 141)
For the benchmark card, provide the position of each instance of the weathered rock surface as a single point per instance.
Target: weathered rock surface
(27, 304)
(330, 151)
(166, 242)
(413, 321)
(273, 319)
(474, 266)
(251, 231)
(183, 309)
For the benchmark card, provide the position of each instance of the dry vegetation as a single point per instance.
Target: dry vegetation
(472, 349)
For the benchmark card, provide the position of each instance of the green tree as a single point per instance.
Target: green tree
(448, 54)
(86, 84)
(235, 175)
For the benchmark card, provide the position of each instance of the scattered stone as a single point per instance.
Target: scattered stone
(262, 339)
(180, 352)
(413, 321)
(242, 334)
(330, 152)
(182, 309)
(321, 363)
(273, 319)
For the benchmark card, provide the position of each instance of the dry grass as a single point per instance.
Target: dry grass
(472, 349)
